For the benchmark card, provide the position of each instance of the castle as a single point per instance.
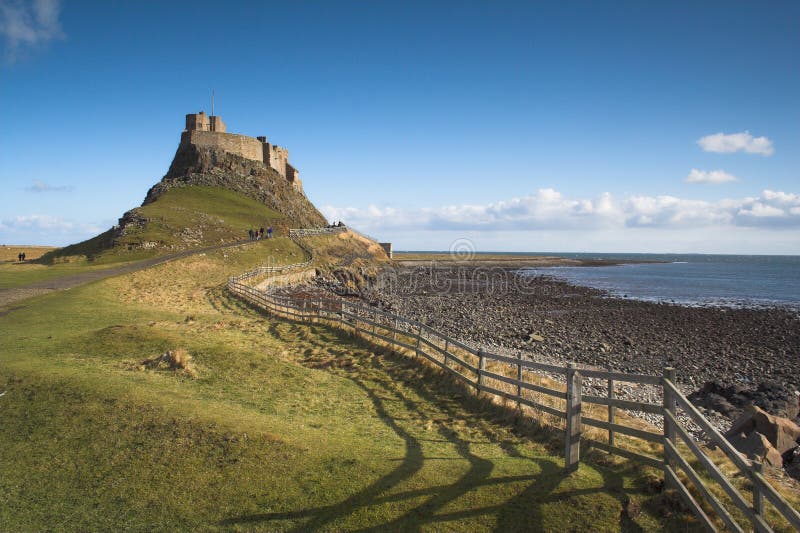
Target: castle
(209, 131)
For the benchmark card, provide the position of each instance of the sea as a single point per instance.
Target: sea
(757, 281)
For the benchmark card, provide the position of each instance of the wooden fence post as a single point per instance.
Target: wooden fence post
(758, 496)
(610, 412)
(394, 331)
(374, 321)
(419, 339)
(446, 354)
(519, 378)
(481, 368)
(572, 437)
(670, 433)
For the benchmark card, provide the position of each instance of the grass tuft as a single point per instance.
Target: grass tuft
(177, 359)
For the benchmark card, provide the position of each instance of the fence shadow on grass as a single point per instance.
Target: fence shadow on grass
(402, 393)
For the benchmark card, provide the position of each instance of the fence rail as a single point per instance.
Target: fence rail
(314, 232)
(688, 468)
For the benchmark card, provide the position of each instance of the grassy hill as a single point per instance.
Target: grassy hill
(182, 217)
(271, 425)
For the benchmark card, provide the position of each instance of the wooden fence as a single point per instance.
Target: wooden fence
(315, 232)
(711, 484)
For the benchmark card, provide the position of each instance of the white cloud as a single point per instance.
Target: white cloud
(726, 143)
(548, 209)
(45, 224)
(760, 210)
(709, 176)
(28, 24)
(40, 186)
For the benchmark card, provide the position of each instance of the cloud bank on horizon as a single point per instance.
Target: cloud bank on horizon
(548, 209)
(46, 225)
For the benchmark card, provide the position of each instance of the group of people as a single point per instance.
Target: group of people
(21, 256)
(258, 234)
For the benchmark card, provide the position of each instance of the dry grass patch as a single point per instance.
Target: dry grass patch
(175, 360)
(10, 253)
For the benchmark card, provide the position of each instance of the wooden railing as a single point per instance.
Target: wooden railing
(314, 232)
(714, 497)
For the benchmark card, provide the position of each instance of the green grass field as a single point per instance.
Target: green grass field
(275, 425)
(181, 218)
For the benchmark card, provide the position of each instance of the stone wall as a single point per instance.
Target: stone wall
(202, 122)
(293, 177)
(198, 121)
(209, 132)
(217, 124)
(240, 145)
(278, 159)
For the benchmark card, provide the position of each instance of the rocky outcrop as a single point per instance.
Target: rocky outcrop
(771, 439)
(757, 446)
(212, 167)
(782, 433)
(731, 400)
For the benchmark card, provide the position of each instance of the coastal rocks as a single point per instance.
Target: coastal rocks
(756, 352)
(791, 463)
(731, 399)
(770, 439)
(496, 307)
(757, 446)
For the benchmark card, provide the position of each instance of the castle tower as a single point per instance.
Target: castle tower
(202, 122)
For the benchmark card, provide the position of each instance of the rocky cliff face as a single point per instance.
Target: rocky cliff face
(199, 166)
(195, 165)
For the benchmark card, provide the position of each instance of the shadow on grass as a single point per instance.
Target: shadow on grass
(426, 387)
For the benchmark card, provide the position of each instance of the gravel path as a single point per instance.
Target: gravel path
(15, 294)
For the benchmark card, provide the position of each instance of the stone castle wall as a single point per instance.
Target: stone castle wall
(209, 132)
(241, 145)
(278, 159)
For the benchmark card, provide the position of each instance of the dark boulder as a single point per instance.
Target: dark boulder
(730, 400)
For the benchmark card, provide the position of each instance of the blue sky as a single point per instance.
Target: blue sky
(597, 126)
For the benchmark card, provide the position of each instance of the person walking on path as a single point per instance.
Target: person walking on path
(250, 233)
(269, 232)
(261, 232)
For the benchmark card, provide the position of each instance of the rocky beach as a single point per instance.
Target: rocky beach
(725, 356)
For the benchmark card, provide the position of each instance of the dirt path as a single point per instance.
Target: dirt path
(15, 294)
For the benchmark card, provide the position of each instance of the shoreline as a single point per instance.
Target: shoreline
(718, 303)
(517, 261)
(551, 319)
